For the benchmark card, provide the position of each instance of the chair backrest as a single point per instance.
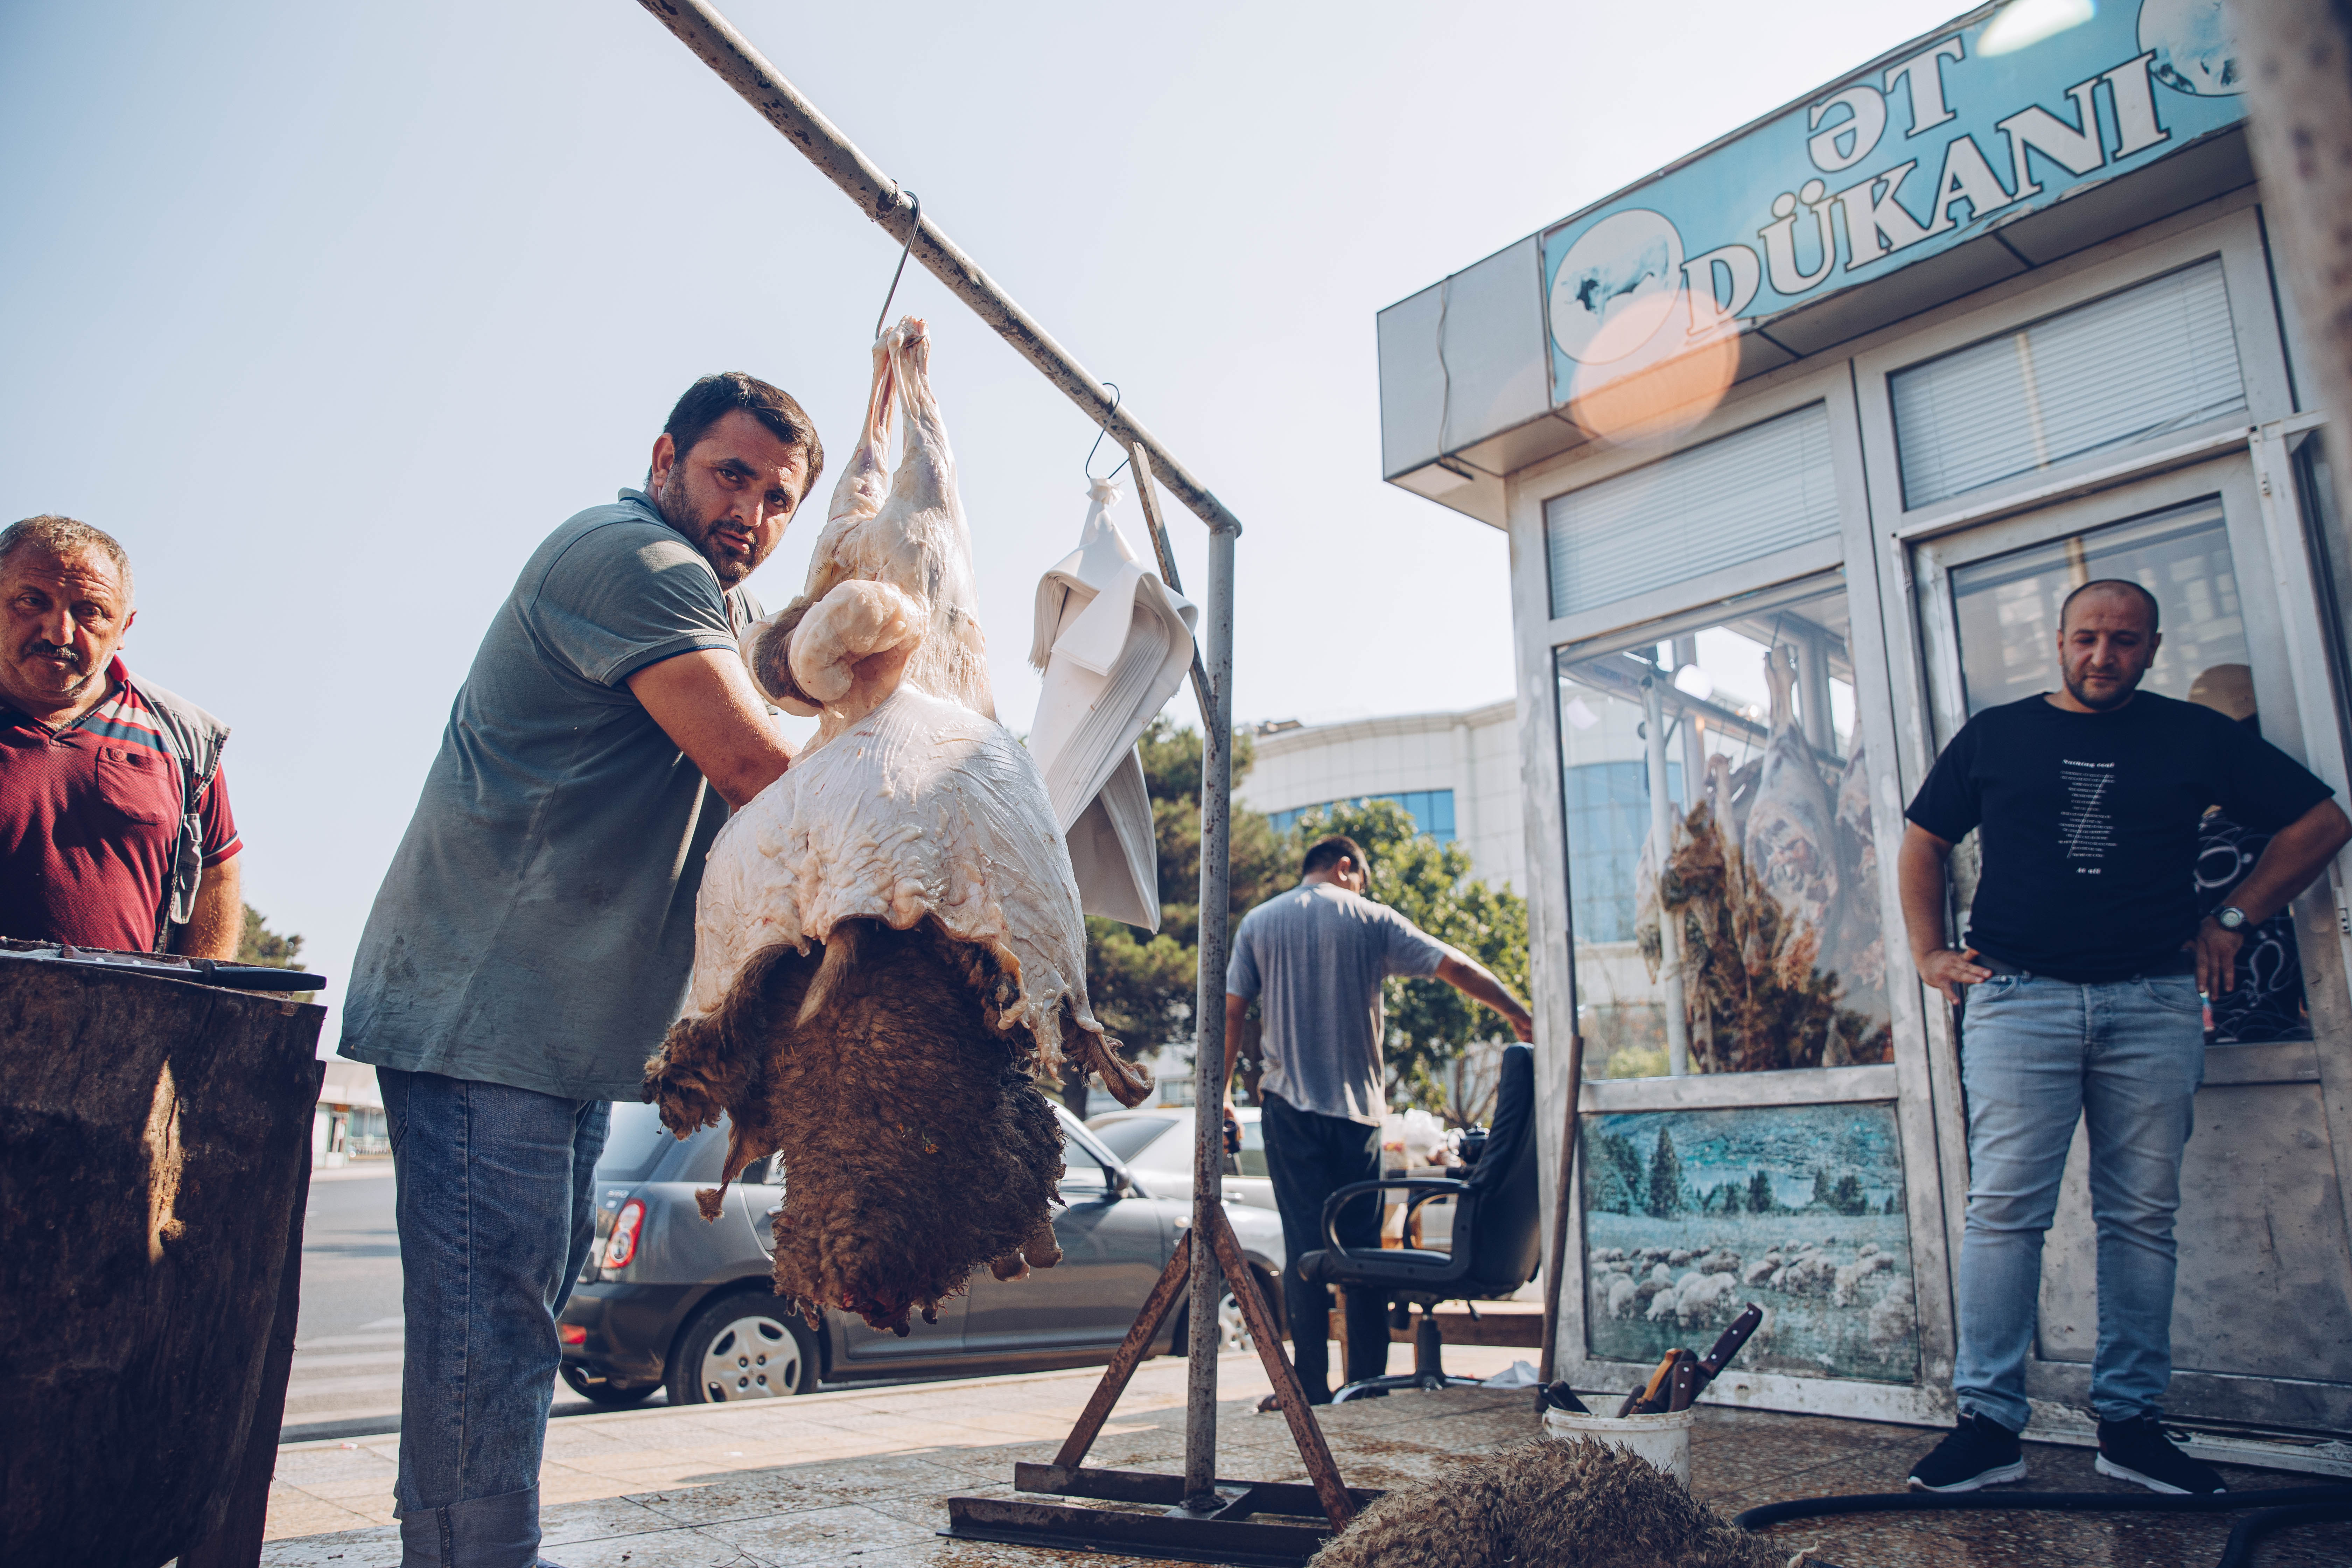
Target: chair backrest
(1507, 1248)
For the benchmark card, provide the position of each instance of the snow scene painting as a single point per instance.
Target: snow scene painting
(1690, 1215)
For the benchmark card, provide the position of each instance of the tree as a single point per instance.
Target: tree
(259, 944)
(1612, 1175)
(1759, 1193)
(1664, 1199)
(1428, 1022)
(1143, 985)
(1847, 1197)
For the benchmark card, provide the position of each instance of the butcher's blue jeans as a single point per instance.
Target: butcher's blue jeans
(495, 1209)
(2036, 1054)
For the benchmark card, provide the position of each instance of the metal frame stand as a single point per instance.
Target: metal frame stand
(1206, 1519)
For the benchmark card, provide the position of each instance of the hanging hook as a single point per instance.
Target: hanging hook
(1090, 464)
(913, 228)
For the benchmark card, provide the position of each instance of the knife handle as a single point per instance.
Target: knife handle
(1639, 1400)
(1683, 1385)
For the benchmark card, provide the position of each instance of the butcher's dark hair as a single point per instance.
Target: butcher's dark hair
(65, 537)
(1327, 853)
(712, 398)
(2147, 599)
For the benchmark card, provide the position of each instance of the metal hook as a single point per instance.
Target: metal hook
(913, 228)
(1090, 464)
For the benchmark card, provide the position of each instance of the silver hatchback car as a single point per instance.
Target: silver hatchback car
(669, 1300)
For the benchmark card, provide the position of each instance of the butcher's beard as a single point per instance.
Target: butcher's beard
(676, 508)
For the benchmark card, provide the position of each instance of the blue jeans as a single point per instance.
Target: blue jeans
(1309, 1157)
(2126, 1057)
(496, 1207)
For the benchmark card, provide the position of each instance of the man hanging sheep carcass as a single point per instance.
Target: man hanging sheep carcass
(532, 937)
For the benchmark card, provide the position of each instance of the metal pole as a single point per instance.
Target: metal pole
(1209, 1031)
(719, 46)
(2298, 55)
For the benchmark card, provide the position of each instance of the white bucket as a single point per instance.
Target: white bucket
(1664, 1439)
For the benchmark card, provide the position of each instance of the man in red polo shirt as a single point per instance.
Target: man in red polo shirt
(115, 829)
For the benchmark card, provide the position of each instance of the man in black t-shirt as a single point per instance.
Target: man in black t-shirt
(2085, 960)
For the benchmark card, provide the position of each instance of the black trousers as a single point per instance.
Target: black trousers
(1309, 1157)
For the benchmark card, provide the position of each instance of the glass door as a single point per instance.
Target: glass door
(2264, 1280)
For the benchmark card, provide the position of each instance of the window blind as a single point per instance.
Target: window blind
(1734, 498)
(2154, 358)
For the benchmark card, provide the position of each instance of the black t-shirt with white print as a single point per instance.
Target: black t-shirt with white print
(2088, 824)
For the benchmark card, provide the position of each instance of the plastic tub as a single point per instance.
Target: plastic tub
(1664, 1440)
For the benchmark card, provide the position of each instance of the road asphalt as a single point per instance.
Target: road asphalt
(346, 1378)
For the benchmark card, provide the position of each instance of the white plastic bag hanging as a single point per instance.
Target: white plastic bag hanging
(1114, 643)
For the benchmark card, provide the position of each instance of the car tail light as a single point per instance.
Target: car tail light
(621, 1245)
(571, 1334)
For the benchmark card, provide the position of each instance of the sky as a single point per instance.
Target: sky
(330, 313)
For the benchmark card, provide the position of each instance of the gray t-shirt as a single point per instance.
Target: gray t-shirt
(537, 924)
(1318, 953)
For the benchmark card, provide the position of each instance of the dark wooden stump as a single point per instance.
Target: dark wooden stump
(155, 1148)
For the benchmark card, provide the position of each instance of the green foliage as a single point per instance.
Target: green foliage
(259, 944)
(1613, 1175)
(1759, 1193)
(1429, 1023)
(1663, 1198)
(1143, 987)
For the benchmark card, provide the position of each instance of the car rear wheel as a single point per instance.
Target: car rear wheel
(605, 1391)
(742, 1347)
(1232, 1329)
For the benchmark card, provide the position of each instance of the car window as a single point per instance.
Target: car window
(1253, 1157)
(634, 1144)
(1127, 1136)
(1172, 1150)
(1082, 1175)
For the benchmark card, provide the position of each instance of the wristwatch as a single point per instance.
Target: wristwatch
(2230, 918)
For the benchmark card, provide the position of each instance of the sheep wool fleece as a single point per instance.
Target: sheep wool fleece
(1548, 1504)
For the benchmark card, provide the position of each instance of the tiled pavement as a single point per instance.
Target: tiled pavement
(860, 1477)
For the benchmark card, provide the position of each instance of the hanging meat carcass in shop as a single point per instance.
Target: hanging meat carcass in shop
(889, 950)
(1790, 847)
(1861, 949)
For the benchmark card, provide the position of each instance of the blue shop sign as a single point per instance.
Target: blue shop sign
(2009, 112)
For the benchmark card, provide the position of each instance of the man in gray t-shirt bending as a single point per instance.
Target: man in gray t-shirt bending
(533, 933)
(1317, 954)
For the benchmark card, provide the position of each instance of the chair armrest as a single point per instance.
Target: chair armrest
(1430, 1187)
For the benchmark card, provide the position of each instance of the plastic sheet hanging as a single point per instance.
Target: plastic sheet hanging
(1114, 643)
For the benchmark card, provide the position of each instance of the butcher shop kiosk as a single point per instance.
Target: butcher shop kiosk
(1799, 442)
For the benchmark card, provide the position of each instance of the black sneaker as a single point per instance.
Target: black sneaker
(2139, 1451)
(1979, 1453)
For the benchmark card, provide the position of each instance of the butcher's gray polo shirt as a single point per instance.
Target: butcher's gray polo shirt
(537, 924)
(1317, 954)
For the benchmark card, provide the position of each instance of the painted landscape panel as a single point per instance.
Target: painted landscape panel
(1690, 1215)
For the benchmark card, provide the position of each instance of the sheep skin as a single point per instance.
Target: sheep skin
(916, 1143)
(1548, 1504)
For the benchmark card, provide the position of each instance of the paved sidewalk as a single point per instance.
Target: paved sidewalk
(860, 1477)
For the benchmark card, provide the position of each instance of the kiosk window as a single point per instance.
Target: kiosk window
(1752, 942)
(2155, 358)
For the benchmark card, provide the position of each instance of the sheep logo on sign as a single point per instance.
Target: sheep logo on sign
(2195, 48)
(1616, 286)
